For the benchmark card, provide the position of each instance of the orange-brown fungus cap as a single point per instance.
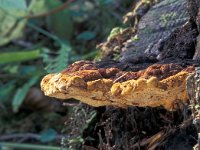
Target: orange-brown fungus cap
(158, 85)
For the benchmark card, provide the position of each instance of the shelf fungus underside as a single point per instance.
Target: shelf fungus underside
(157, 85)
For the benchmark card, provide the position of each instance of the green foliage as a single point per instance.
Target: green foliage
(37, 6)
(48, 135)
(60, 23)
(86, 35)
(59, 62)
(114, 32)
(6, 90)
(21, 93)
(165, 17)
(62, 58)
(19, 56)
(91, 116)
(135, 38)
(7, 146)
(20, 79)
(13, 4)
(10, 25)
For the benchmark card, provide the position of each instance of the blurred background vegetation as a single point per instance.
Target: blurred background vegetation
(39, 37)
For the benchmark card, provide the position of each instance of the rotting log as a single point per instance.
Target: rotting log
(193, 89)
(193, 81)
(115, 81)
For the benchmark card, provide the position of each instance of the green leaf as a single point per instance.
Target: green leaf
(48, 135)
(21, 93)
(10, 146)
(61, 61)
(28, 70)
(91, 116)
(11, 27)
(61, 22)
(13, 4)
(9, 57)
(11, 68)
(37, 6)
(91, 55)
(86, 35)
(6, 90)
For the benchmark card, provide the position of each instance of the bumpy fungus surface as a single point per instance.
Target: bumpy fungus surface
(158, 85)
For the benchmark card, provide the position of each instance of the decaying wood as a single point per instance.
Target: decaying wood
(197, 19)
(193, 89)
(167, 34)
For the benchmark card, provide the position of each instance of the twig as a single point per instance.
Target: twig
(116, 80)
(70, 104)
(53, 11)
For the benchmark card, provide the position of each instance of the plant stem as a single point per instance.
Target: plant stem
(29, 146)
(53, 11)
(44, 32)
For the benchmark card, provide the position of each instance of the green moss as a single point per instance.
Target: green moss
(166, 17)
(116, 56)
(114, 32)
(146, 30)
(135, 38)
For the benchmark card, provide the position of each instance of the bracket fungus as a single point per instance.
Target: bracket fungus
(157, 85)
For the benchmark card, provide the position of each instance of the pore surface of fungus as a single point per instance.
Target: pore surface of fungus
(157, 85)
